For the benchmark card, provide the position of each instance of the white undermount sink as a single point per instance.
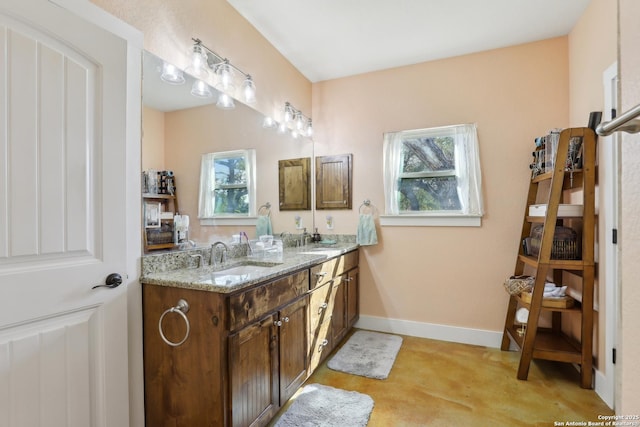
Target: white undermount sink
(322, 251)
(240, 273)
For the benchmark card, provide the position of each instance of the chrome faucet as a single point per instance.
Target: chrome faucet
(225, 250)
(303, 237)
(249, 250)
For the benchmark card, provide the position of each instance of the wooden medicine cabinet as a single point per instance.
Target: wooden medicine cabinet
(294, 180)
(333, 181)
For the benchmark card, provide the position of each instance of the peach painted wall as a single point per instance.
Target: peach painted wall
(590, 54)
(152, 139)
(168, 27)
(628, 396)
(446, 275)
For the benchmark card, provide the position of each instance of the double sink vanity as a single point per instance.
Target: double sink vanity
(228, 345)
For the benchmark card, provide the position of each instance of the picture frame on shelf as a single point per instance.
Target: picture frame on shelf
(152, 215)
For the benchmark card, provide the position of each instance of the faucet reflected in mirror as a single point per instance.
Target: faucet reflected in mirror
(178, 128)
(214, 254)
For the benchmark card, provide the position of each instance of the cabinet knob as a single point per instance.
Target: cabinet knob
(322, 345)
(321, 274)
(323, 306)
(347, 279)
(285, 320)
(277, 323)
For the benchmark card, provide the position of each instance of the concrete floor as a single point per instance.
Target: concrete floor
(438, 383)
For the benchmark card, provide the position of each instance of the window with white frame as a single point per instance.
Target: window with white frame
(227, 185)
(432, 173)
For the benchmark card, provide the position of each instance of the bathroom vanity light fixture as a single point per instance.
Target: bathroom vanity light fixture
(293, 120)
(224, 72)
(172, 74)
(201, 89)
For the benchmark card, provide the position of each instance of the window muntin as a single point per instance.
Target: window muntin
(433, 171)
(227, 184)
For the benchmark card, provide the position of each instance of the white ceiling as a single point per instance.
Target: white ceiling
(328, 39)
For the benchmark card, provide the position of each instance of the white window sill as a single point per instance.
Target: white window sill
(245, 220)
(429, 221)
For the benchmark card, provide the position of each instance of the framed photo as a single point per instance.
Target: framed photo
(152, 215)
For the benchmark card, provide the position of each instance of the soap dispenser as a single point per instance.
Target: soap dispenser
(316, 236)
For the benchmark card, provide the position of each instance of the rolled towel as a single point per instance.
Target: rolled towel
(557, 292)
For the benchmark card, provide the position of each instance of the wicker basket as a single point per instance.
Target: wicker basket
(565, 242)
(514, 285)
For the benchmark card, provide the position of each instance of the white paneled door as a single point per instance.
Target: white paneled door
(64, 111)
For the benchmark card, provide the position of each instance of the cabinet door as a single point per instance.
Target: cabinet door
(293, 347)
(319, 325)
(333, 182)
(339, 313)
(353, 305)
(253, 369)
(294, 184)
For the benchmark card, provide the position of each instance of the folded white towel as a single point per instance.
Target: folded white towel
(556, 292)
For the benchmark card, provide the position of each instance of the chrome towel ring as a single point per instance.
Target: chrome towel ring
(181, 308)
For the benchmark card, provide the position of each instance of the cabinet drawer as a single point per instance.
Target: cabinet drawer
(256, 302)
(320, 310)
(323, 273)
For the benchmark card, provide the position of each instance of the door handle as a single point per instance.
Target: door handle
(112, 281)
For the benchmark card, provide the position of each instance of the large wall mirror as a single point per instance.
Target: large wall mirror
(178, 128)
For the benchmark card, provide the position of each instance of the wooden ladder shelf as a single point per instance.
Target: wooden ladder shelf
(554, 343)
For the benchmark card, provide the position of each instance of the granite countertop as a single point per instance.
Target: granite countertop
(242, 272)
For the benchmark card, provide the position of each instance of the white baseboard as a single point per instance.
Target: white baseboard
(432, 331)
(604, 389)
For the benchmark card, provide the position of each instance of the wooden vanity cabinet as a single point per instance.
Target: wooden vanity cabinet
(247, 352)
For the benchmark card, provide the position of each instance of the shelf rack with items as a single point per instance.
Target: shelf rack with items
(159, 207)
(567, 180)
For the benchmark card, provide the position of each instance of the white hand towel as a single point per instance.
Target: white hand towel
(366, 234)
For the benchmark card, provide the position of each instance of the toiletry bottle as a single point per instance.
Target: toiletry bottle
(316, 236)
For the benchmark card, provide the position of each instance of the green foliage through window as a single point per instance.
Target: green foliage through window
(427, 181)
(227, 184)
(434, 171)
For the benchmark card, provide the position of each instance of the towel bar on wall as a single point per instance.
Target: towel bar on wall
(626, 122)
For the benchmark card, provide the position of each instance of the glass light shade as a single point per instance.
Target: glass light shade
(225, 102)
(172, 74)
(198, 66)
(309, 129)
(249, 90)
(288, 113)
(269, 123)
(201, 89)
(299, 122)
(282, 128)
(224, 72)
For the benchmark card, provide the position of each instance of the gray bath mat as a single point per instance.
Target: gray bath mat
(368, 354)
(320, 405)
